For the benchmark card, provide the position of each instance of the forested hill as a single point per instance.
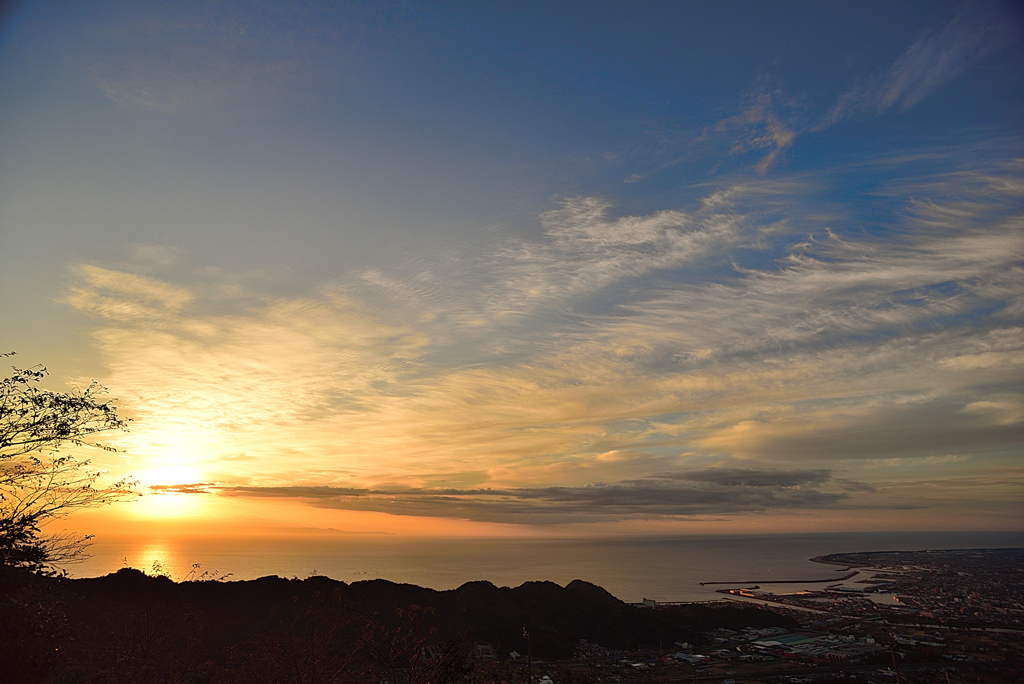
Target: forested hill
(557, 617)
(233, 624)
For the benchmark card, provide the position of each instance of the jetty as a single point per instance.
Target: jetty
(827, 580)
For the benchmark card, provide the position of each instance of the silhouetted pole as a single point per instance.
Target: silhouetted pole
(895, 667)
(529, 655)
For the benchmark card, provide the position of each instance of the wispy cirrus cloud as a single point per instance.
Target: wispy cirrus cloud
(759, 132)
(119, 295)
(634, 351)
(939, 55)
(762, 129)
(585, 249)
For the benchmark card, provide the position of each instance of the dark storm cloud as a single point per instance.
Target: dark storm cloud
(740, 477)
(705, 492)
(854, 486)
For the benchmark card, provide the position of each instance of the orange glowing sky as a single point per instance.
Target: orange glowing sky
(428, 270)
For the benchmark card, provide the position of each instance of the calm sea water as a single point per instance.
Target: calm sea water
(663, 568)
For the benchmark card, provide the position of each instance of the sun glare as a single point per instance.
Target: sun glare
(166, 476)
(162, 497)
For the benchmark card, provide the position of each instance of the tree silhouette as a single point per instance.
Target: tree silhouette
(37, 482)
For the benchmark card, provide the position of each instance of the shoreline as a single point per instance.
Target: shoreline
(824, 560)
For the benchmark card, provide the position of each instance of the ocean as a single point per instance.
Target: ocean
(661, 568)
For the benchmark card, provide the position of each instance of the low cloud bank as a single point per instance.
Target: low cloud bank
(712, 491)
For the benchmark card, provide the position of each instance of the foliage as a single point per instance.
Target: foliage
(403, 651)
(134, 627)
(131, 626)
(20, 546)
(33, 626)
(37, 482)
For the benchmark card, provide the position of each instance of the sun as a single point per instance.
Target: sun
(162, 495)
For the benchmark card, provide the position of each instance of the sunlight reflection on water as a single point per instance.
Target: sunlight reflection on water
(155, 559)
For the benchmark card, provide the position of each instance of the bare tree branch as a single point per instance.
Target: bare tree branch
(37, 483)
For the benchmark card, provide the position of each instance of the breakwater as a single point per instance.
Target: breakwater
(827, 580)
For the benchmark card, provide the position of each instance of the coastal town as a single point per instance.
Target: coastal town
(904, 617)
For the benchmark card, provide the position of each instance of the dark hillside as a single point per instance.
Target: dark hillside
(128, 626)
(557, 617)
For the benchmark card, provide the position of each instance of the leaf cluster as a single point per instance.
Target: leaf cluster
(33, 419)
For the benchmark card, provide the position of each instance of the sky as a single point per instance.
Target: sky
(526, 268)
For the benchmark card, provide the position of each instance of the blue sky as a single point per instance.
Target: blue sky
(529, 267)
